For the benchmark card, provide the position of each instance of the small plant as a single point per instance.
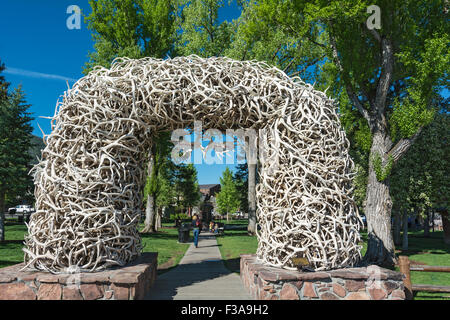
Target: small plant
(382, 172)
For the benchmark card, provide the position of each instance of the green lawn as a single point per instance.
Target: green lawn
(165, 242)
(11, 251)
(233, 244)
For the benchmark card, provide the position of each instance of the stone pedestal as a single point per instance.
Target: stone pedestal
(365, 283)
(131, 282)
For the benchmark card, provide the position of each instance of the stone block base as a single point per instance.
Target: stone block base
(131, 282)
(366, 283)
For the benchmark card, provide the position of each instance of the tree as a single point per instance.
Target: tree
(384, 80)
(240, 178)
(131, 28)
(200, 30)
(15, 143)
(159, 180)
(227, 198)
(186, 186)
(3, 108)
(421, 182)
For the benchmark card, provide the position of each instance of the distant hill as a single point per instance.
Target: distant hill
(35, 150)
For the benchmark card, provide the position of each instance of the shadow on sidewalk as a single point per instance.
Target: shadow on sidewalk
(169, 283)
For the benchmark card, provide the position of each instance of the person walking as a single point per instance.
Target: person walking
(196, 229)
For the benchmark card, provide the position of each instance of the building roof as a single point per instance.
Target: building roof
(207, 186)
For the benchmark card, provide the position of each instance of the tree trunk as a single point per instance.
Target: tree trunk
(405, 230)
(432, 221)
(251, 199)
(150, 209)
(158, 219)
(446, 225)
(397, 228)
(426, 225)
(380, 247)
(2, 216)
(415, 220)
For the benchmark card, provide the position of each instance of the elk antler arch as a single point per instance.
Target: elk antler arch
(88, 183)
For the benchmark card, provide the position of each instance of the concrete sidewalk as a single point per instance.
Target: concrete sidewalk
(200, 275)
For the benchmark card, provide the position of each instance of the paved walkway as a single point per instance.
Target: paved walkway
(200, 275)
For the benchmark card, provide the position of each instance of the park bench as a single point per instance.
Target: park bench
(221, 229)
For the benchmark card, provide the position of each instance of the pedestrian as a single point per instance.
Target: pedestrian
(196, 228)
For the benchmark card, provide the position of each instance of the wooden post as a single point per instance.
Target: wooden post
(404, 264)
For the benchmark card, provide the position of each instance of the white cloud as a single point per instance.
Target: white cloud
(38, 75)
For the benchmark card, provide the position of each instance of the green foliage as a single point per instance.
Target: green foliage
(3, 84)
(421, 178)
(227, 198)
(420, 40)
(37, 145)
(200, 30)
(382, 171)
(186, 186)
(15, 143)
(131, 28)
(259, 35)
(241, 181)
(181, 216)
(160, 182)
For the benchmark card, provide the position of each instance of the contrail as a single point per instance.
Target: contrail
(32, 74)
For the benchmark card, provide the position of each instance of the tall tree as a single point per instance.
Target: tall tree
(3, 84)
(200, 31)
(227, 198)
(186, 186)
(3, 125)
(384, 79)
(245, 180)
(240, 178)
(15, 143)
(158, 180)
(131, 28)
(421, 180)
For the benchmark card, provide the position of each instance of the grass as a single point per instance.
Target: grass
(233, 244)
(165, 242)
(11, 250)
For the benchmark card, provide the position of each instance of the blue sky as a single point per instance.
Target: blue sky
(41, 53)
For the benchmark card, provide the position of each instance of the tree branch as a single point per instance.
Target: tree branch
(374, 32)
(350, 92)
(387, 68)
(402, 146)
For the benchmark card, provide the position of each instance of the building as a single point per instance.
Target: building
(208, 203)
(209, 189)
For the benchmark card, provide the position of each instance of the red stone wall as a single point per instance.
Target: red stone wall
(367, 283)
(131, 282)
